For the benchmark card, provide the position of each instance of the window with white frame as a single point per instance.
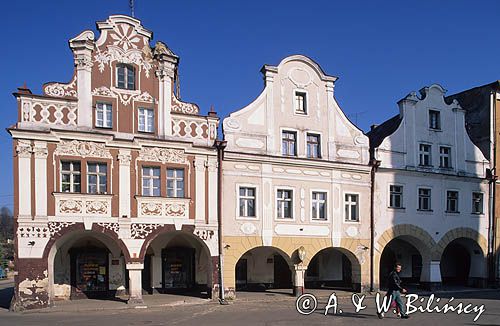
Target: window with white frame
(97, 178)
(175, 183)
(146, 120)
(452, 201)
(289, 143)
(284, 203)
(396, 196)
(424, 151)
(125, 76)
(318, 209)
(477, 203)
(246, 199)
(301, 102)
(70, 176)
(434, 120)
(313, 146)
(151, 181)
(351, 207)
(104, 115)
(424, 199)
(444, 157)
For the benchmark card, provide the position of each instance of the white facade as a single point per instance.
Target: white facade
(427, 160)
(297, 102)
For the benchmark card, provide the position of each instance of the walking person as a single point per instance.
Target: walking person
(395, 290)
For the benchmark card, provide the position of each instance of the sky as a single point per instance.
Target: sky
(380, 50)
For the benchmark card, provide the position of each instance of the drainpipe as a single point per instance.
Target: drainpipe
(220, 145)
(374, 164)
(492, 178)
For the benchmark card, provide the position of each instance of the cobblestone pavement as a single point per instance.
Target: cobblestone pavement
(263, 309)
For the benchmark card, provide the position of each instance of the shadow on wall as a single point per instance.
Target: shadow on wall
(426, 219)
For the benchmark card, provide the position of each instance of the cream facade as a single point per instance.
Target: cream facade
(431, 196)
(296, 186)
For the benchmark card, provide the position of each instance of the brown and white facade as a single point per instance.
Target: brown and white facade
(113, 176)
(296, 187)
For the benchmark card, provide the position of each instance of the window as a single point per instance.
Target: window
(395, 196)
(146, 120)
(318, 211)
(444, 157)
(313, 146)
(284, 203)
(125, 76)
(151, 181)
(300, 102)
(70, 177)
(424, 199)
(247, 202)
(175, 183)
(452, 201)
(425, 155)
(96, 178)
(434, 120)
(104, 115)
(351, 208)
(288, 143)
(477, 203)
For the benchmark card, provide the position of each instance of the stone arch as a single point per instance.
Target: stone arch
(461, 232)
(65, 232)
(167, 236)
(66, 236)
(411, 231)
(414, 235)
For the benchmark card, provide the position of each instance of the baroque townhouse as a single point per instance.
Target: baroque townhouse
(482, 118)
(431, 197)
(296, 187)
(114, 176)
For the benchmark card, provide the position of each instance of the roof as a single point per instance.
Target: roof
(379, 133)
(476, 103)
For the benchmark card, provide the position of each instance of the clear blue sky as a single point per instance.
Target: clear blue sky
(381, 50)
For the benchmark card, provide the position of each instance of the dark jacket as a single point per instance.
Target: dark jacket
(394, 282)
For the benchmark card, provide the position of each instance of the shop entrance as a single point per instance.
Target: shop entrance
(89, 273)
(178, 269)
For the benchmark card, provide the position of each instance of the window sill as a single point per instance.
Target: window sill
(352, 221)
(477, 214)
(318, 220)
(451, 212)
(126, 90)
(62, 193)
(397, 208)
(435, 129)
(284, 219)
(425, 211)
(247, 218)
(104, 128)
(165, 197)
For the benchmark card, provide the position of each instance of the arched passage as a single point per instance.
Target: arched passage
(334, 268)
(462, 255)
(86, 264)
(263, 268)
(463, 263)
(403, 250)
(177, 262)
(412, 247)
